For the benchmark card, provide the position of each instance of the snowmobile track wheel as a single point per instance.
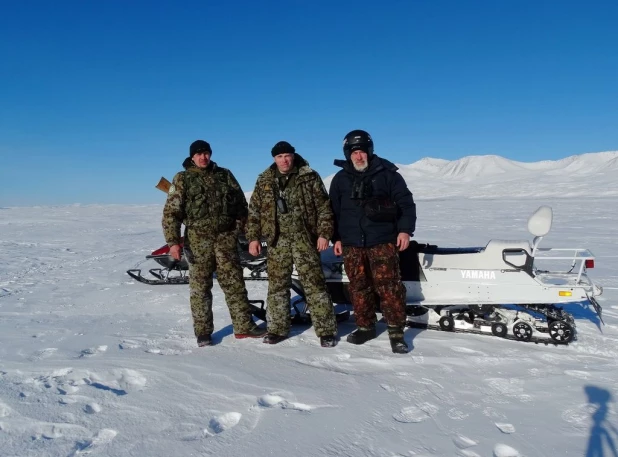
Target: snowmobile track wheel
(447, 323)
(561, 331)
(522, 331)
(499, 329)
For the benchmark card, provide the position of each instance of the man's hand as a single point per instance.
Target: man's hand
(338, 249)
(403, 241)
(176, 251)
(322, 244)
(255, 248)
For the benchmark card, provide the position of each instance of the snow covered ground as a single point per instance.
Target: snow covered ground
(93, 363)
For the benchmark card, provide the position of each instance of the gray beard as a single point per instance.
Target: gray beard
(359, 167)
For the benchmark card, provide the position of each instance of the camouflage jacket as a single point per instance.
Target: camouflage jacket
(207, 200)
(309, 194)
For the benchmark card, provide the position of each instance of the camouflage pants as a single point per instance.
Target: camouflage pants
(217, 253)
(281, 261)
(375, 271)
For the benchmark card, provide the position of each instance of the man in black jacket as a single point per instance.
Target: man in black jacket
(375, 216)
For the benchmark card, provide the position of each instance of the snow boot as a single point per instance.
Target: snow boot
(362, 335)
(398, 344)
(328, 341)
(205, 340)
(271, 338)
(254, 332)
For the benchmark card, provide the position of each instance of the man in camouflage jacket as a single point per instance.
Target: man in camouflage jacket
(209, 201)
(290, 209)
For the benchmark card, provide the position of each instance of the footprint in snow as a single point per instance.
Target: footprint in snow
(502, 450)
(67, 389)
(223, 422)
(92, 408)
(102, 438)
(93, 351)
(129, 344)
(577, 374)
(493, 413)
(505, 428)
(271, 401)
(467, 453)
(463, 442)
(579, 417)
(42, 354)
(4, 410)
(415, 414)
(456, 414)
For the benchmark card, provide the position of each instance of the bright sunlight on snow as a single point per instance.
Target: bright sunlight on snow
(95, 363)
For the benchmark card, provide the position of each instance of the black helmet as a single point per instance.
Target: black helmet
(355, 140)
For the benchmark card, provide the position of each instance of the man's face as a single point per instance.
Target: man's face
(201, 159)
(284, 162)
(359, 160)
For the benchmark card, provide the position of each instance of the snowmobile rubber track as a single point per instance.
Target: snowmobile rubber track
(533, 339)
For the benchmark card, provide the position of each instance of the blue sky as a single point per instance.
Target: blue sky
(100, 99)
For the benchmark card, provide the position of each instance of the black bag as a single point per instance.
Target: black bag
(381, 210)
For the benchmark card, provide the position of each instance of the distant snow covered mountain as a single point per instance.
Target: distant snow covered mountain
(492, 176)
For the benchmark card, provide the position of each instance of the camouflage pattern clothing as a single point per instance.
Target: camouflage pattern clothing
(218, 253)
(376, 269)
(207, 200)
(306, 197)
(211, 204)
(288, 252)
(292, 238)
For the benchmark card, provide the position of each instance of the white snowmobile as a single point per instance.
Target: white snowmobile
(501, 289)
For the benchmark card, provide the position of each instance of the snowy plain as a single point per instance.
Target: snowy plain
(94, 363)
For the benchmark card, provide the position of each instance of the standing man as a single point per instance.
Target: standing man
(210, 202)
(375, 217)
(290, 208)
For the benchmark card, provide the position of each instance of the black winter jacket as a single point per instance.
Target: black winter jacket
(381, 180)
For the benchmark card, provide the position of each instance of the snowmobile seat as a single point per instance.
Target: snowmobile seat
(497, 255)
(450, 251)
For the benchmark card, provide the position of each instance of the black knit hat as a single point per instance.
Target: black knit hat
(199, 146)
(282, 147)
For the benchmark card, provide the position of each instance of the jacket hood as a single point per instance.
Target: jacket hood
(188, 163)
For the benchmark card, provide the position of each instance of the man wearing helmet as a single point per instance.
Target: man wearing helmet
(290, 208)
(375, 216)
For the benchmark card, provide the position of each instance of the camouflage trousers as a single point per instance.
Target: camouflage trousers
(375, 271)
(216, 253)
(281, 260)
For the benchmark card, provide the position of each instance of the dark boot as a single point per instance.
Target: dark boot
(398, 344)
(204, 340)
(329, 341)
(254, 332)
(361, 335)
(271, 338)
